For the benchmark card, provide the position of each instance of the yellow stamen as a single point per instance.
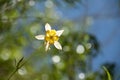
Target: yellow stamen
(51, 36)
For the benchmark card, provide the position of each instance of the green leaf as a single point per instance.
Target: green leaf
(108, 74)
(18, 64)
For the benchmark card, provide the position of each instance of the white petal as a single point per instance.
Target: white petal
(47, 46)
(58, 45)
(59, 32)
(40, 37)
(47, 27)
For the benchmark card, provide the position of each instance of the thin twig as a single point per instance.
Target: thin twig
(12, 74)
(19, 66)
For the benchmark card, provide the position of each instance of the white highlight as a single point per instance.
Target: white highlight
(5, 55)
(22, 71)
(89, 45)
(56, 59)
(31, 2)
(81, 75)
(80, 49)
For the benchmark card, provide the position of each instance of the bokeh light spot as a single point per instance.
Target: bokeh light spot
(80, 49)
(22, 71)
(31, 2)
(56, 59)
(81, 75)
(5, 55)
(88, 45)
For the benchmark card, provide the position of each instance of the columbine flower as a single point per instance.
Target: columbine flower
(51, 37)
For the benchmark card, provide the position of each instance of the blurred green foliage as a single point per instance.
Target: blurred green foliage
(21, 20)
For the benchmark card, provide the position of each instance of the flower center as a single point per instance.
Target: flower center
(51, 36)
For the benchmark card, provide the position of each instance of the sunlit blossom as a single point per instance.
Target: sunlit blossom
(51, 37)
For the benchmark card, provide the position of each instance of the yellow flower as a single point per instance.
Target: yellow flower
(51, 37)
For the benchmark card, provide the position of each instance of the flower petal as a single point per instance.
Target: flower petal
(58, 45)
(47, 46)
(59, 32)
(40, 37)
(47, 27)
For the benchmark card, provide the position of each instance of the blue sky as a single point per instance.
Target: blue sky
(105, 26)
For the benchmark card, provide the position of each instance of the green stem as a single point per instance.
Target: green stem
(20, 66)
(12, 74)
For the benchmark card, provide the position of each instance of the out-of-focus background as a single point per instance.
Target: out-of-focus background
(90, 39)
